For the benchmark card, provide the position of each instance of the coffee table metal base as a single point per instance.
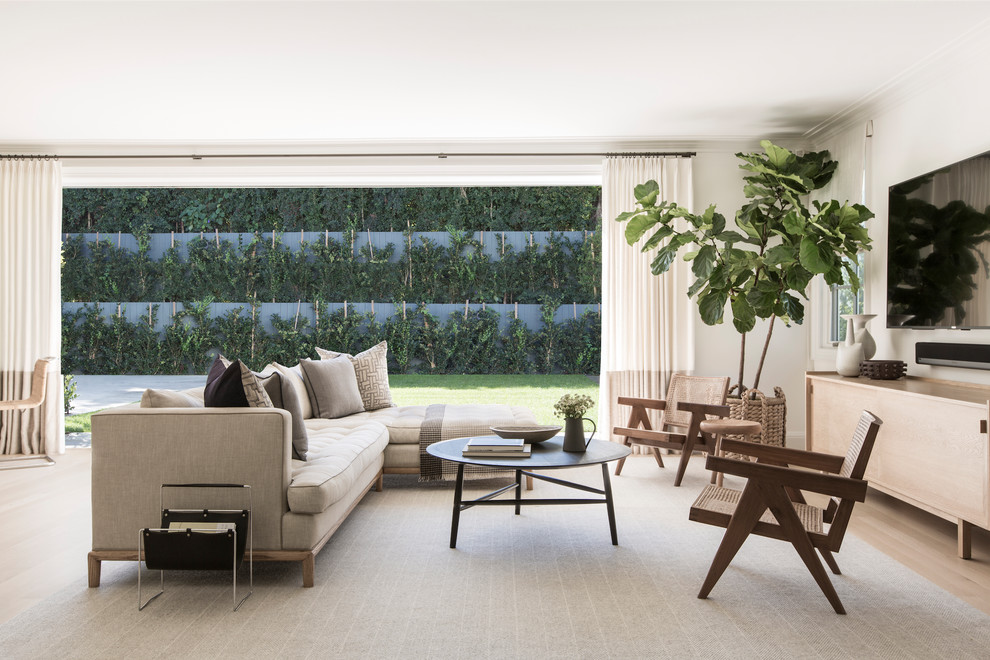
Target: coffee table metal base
(489, 499)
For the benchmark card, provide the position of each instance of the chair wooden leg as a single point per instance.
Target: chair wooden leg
(621, 461)
(830, 560)
(750, 507)
(685, 457)
(717, 476)
(656, 455)
(783, 511)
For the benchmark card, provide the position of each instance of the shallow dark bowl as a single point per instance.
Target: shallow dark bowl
(527, 433)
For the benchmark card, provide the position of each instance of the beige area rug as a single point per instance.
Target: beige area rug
(546, 584)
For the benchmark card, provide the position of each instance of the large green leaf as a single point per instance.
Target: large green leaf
(763, 298)
(711, 306)
(646, 193)
(697, 286)
(778, 156)
(704, 263)
(718, 224)
(743, 315)
(663, 232)
(794, 222)
(780, 255)
(815, 256)
(625, 215)
(640, 224)
(798, 278)
(665, 257)
(793, 308)
(730, 237)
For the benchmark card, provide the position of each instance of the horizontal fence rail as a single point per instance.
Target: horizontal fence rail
(135, 312)
(493, 243)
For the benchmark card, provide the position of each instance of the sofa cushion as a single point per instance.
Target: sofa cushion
(371, 369)
(403, 422)
(168, 399)
(293, 376)
(337, 456)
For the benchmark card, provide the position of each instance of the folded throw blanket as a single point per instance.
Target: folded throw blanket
(434, 429)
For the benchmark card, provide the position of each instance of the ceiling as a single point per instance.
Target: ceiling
(406, 73)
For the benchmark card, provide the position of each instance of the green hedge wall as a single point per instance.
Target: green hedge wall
(425, 272)
(333, 209)
(419, 343)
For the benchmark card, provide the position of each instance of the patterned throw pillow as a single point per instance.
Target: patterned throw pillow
(371, 368)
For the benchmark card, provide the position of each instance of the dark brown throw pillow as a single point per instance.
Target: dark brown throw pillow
(224, 388)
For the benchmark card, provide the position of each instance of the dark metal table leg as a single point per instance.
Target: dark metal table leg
(608, 504)
(518, 490)
(458, 490)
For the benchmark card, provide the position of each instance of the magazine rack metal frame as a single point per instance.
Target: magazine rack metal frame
(168, 547)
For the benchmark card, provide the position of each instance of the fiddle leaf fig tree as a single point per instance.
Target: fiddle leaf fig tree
(763, 266)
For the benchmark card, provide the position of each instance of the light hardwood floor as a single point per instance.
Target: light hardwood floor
(44, 515)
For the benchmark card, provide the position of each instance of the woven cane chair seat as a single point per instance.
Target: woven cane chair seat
(724, 500)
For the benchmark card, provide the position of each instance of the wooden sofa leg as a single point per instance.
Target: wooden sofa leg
(309, 570)
(380, 482)
(94, 570)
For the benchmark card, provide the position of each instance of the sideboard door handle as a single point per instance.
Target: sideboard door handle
(983, 426)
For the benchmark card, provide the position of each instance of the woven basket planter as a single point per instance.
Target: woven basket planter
(770, 412)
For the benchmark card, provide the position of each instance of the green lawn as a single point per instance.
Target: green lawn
(538, 393)
(78, 423)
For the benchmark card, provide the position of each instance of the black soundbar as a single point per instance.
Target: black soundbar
(968, 356)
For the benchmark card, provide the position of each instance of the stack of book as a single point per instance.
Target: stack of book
(493, 447)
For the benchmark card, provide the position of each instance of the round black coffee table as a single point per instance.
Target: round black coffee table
(546, 455)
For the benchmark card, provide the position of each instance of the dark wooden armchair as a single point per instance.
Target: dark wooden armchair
(764, 507)
(689, 400)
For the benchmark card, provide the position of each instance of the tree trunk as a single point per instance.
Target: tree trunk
(763, 355)
(742, 362)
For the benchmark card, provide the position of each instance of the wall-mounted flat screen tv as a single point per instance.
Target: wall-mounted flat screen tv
(938, 248)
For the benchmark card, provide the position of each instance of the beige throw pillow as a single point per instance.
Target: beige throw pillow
(332, 387)
(371, 369)
(294, 377)
(284, 396)
(168, 399)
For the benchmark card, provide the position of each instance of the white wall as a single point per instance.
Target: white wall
(718, 180)
(940, 119)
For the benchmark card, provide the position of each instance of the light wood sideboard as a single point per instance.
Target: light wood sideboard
(931, 450)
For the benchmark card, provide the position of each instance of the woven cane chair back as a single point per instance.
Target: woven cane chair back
(695, 389)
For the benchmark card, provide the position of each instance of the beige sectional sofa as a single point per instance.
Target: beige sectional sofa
(297, 505)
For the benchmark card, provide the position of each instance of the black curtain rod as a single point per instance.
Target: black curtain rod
(441, 155)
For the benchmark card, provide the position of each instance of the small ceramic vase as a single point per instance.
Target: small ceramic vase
(850, 354)
(861, 335)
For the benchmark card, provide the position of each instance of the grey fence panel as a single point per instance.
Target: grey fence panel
(494, 243)
(140, 311)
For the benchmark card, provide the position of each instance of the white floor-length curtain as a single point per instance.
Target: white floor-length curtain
(647, 321)
(30, 301)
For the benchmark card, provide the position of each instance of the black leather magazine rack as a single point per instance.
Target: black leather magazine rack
(198, 540)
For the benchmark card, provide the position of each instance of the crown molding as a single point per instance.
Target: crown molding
(971, 47)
